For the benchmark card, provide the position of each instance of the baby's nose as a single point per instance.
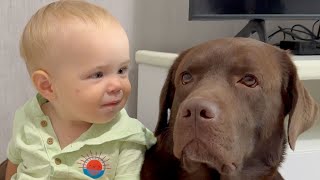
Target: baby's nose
(114, 85)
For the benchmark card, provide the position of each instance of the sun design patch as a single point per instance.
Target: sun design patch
(94, 165)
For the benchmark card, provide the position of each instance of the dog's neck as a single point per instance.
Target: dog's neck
(257, 166)
(274, 175)
(207, 173)
(263, 162)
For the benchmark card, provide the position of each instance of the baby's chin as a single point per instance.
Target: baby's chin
(107, 114)
(106, 118)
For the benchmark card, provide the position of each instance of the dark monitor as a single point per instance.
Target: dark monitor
(254, 10)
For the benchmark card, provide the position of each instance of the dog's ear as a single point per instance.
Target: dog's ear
(303, 110)
(166, 96)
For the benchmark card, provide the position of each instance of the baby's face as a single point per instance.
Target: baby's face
(90, 74)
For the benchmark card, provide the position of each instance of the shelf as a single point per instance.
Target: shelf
(154, 58)
(308, 66)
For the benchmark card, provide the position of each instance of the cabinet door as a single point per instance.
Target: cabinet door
(301, 165)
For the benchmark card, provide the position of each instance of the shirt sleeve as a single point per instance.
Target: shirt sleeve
(12, 151)
(130, 161)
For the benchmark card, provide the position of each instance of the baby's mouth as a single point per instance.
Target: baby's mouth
(111, 103)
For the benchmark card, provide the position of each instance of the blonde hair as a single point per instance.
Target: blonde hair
(35, 40)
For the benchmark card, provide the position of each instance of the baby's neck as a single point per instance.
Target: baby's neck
(66, 131)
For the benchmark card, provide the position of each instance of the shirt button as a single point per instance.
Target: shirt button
(44, 123)
(57, 161)
(50, 141)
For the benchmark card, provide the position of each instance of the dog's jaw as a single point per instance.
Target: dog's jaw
(195, 155)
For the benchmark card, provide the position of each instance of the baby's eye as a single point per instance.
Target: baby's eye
(97, 75)
(123, 70)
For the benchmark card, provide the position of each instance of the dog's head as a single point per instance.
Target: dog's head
(228, 99)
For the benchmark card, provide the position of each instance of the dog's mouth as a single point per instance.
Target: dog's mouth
(195, 154)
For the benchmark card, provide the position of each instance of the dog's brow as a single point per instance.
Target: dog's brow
(202, 65)
(242, 69)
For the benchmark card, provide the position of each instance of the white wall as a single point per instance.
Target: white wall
(14, 83)
(160, 25)
(166, 26)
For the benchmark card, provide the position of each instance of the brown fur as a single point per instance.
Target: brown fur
(219, 126)
(3, 167)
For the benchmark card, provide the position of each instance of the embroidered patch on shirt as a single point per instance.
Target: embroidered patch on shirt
(94, 166)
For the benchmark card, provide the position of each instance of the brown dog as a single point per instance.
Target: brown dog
(227, 100)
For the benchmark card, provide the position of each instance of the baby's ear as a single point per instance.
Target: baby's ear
(42, 82)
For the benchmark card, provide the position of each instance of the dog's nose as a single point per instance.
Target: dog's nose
(199, 109)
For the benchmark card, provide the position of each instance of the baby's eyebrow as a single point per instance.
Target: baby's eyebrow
(126, 62)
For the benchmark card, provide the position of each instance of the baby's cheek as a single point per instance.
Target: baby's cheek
(88, 95)
(77, 91)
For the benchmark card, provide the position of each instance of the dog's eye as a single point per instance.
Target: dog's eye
(186, 78)
(249, 80)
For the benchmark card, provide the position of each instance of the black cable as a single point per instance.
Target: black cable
(289, 32)
(314, 25)
(318, 34)
(276, 32)
(313, 36)
(294, 32)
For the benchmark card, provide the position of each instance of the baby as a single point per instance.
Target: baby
(76, 127)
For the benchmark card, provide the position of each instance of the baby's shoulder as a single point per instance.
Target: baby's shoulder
(128, 121)
(136, 131)
(27, 115)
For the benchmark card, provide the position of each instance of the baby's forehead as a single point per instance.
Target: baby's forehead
(57, 19)
(80, 39)
(85, 32)
(68, 24)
